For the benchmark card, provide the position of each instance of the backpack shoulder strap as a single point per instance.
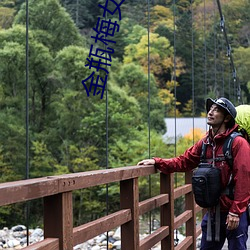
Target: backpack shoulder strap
(227, 148)
(203, 152)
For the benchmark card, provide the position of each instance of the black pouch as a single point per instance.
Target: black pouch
(206, 183)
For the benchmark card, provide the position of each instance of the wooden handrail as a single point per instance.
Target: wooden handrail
(56, 191)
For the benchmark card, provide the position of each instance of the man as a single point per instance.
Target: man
(221, 115)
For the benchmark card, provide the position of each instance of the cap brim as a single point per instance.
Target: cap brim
(209, 103)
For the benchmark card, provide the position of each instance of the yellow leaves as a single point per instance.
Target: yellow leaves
(161, 16)
(160, 53)
(161, 12)
(188, 107)
(166, 96)
(172, 84)
(195, 134)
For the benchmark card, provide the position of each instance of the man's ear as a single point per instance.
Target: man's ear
(228, 118)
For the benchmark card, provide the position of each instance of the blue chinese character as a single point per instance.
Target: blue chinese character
(107, 28)
(96, 85)
(98, 66)
(108, 51)
(112, 12)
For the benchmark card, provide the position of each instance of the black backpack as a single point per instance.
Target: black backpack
(206, 179)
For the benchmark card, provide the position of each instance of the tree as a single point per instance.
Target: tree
(160, 54)
(53, 25)
(242, 64)
(84, 13)
(132, 78)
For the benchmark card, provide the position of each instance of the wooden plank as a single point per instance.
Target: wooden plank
(24, 190)
(185, 244)
(190, 205)
(154, 238)
(198, 231)
(182, 218)
(129, 195)
(178, 192)
(167, 210)
(198, 209)
(99, 177)
(58, 219)
(46, 244)
(90, 230)
(152, 203)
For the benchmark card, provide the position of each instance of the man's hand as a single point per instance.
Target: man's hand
(146, 162)
(232, 221)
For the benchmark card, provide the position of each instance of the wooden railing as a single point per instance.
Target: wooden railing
(59, 232)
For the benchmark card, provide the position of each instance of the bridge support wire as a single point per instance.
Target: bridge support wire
(229, 54)
(27, 204)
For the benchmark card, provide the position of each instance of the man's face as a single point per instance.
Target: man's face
(215, 116)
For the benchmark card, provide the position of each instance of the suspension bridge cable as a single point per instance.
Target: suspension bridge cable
(174, 75)
(222, 68)
(175, 95)
(205, 49)
(107, 145)
(149, 120)
(215, 52)
(192, 73)
(229, 52)
(27, 207)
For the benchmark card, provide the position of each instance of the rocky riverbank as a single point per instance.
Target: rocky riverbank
(16, 238)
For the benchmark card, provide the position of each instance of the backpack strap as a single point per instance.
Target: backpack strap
(227, 148)
(227, 151)
(203, 152)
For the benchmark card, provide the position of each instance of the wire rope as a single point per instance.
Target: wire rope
(149, 120)
(107, 145)
(205, 49)
(174, 73)
(192, 73)
(27, 207)
(175, 95)
(215, 52)
(236, 83)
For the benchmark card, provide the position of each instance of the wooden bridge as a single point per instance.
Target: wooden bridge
(56, 192)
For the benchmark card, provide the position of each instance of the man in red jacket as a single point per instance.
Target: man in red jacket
(221, 115)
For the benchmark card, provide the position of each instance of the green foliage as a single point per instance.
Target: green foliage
(53, 25)
(42, 162)
(242, 63)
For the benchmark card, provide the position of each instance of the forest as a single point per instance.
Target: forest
(163, 59)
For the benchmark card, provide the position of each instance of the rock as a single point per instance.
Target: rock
(16, 238)
(111, 233)
(117, 245)
(18, 228)
(95, 248)
(111, 239)
(13, 243)
(100, 238)
(3, 233)
(38, 232)
(117, 234)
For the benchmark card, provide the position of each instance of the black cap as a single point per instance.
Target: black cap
(223, 103)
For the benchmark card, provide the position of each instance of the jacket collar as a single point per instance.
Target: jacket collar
(221, 136)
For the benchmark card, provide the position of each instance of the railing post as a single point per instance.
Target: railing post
(129, 198)
(167, 210)
(58, 219)
(190, 205)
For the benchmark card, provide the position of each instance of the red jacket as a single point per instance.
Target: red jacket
(241, 167)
